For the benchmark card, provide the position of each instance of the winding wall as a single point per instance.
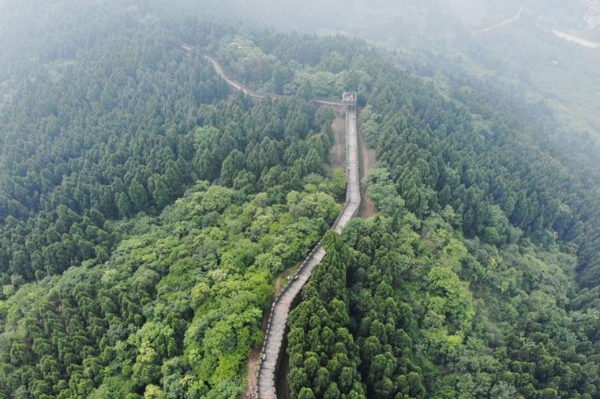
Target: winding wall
(273, 345)
(246, 90)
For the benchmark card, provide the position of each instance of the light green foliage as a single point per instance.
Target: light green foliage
(169, 312)
(324, 84)
(154, 392)
(112, 387)
(248, 62)
(449, 310)
(314, 205)
(338, 183)
(383, 191)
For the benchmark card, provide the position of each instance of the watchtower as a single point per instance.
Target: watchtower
(349, 100)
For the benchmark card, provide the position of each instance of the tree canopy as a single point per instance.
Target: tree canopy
(146, 211)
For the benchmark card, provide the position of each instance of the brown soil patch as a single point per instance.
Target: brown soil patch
(337, 155)
(282, 279)
(367, 161)
(252, 369)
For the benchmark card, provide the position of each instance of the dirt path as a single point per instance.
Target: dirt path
(576, 39)
(367, 161)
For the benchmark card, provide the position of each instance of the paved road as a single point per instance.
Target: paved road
(274, 337)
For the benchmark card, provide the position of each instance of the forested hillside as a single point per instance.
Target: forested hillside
(508, 41)
(146, 211)
(103, 294)
(98, 139)
(480, 279)
(420, 312)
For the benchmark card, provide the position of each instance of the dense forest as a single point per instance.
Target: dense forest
(146, 211)
(106, 295)
(480, 279)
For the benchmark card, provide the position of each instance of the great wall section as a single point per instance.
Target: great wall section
(274, 338)
(273, 345)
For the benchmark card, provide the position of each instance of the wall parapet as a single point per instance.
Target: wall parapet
(273, 344)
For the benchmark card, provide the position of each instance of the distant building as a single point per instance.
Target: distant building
(592, 16)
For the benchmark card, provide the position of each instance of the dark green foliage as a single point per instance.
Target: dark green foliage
(124, 276)
(430, 314)
(324, 358)
(114, 149)
(129, 304)
(494, 164)
(93, 138)
(155, 313)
